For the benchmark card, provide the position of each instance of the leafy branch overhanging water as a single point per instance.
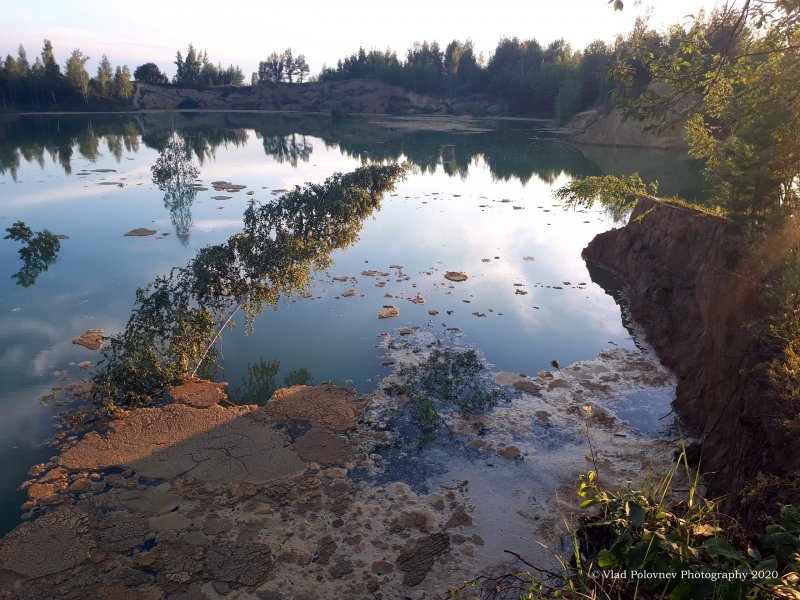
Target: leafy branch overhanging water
(176, 318)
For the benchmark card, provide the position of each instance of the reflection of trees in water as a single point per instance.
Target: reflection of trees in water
(29, 138)
(89, 144)
(180, 316)
(204, 142)
(510, 150)
(287, 148)
(261, 381)
(201, 141)
(174, 174)
(508, 154)
(39, 250)
(178, 201)
(128, 140)
(64, 156)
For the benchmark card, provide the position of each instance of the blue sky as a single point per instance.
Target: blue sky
(244, 32)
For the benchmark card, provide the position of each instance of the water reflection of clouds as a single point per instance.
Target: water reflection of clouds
(23, 340)
(34, 346)
(21, 411)
(459, 235)
(64, 193)
(82, 188)
(214, 224)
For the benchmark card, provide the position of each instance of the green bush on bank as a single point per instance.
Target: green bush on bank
(685, 550)
(641, 545)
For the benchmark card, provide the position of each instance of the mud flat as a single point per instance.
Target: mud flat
(319, 491)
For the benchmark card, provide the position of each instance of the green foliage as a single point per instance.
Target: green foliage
(76, 72)
(453, 377)
(43, 86)
(423, 414)
(187, 69)
(736, 73)
(105, 77)
(150, 73)
(568, 99)
(528, 78)
(617, 194)
(123, 87)
(177, 319)
(643, 534)
(782, 337)
(196, 70)
(282, 67)
(39, 250)
(640, 545)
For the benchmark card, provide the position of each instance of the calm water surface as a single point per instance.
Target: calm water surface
(478, 201)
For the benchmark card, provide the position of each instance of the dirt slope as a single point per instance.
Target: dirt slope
(358, 96)
(596, 128)
(694, 288)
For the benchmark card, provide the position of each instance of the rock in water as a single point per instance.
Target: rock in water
(388, 311)
(140, 232)
(91, 339)
(455, 276)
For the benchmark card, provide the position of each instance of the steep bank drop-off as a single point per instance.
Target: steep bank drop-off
(695, 289)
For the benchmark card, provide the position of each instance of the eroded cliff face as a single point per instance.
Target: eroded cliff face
(614, 128)
(360, 96)
(695, 290)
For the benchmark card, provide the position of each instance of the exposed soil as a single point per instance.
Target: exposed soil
(694, 288)
(615, 128)
(197, 393)
(328, 406)
(388, 311)
(354, 96)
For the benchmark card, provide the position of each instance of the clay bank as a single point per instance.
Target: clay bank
(697, 287)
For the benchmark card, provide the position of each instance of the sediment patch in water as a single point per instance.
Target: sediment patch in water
(324, 490)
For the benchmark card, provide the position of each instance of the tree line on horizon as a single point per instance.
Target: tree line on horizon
(42, 84)
(523, 77)
(527, 77)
